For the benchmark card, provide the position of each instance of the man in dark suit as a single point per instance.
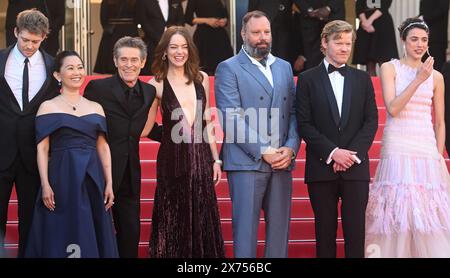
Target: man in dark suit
(435, 14)
(155, 16)
(315, 14)
(337, 117)
(54, 10)
(126, 101)
(26, 81)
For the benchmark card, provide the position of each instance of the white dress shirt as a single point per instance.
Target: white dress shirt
(37, 74)
(164, 6)
(337, 83)
(266, 70)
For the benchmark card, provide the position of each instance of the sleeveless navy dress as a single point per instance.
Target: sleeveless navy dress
(79, 226)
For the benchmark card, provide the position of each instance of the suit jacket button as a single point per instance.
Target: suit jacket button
(261, 98)
(285, 98)
(282, 117)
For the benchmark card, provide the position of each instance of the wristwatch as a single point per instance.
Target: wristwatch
(218, 161)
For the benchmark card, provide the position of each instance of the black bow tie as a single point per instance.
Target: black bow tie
(341, 70)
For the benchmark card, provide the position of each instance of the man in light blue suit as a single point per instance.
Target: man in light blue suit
(255, 94)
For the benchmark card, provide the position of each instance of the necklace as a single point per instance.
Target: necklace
(74, 106)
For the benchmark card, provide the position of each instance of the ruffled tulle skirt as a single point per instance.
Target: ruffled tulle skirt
(408, 213)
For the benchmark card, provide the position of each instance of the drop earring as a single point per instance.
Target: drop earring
(404, 51)
(59, 83)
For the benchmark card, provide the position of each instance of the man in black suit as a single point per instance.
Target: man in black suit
(337, 118)
(315, 14)
(435, 14)
(155, 16)
(54, 10)
(126, 101)
(26, 81)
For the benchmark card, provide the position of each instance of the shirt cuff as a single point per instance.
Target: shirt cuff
(357, 160)
(269, 150)
(329, 159)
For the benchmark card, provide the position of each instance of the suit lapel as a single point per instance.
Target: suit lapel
(346, 102)
(44, 89)
(255, 72)
(276, 75)
(329, 93)
(3, 59)
(158, 8)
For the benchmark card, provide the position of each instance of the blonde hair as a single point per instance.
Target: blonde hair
(334, 29)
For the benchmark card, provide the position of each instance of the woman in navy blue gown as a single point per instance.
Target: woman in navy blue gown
(72, 216)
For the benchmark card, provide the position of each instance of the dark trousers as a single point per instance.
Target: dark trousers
(27, 185)
(324, 198)
(126, 215)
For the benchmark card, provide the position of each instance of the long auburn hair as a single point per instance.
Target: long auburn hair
(160, 66)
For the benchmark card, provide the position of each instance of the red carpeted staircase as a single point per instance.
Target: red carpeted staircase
(301, 242)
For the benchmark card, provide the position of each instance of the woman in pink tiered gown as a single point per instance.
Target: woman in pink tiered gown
(408, 214)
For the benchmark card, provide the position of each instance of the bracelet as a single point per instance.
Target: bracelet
(218, 161)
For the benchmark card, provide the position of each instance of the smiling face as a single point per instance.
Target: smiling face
(416, 43)
(28, 43)
(129, 63)
(338, 48)
(72, 73)
(177, 51)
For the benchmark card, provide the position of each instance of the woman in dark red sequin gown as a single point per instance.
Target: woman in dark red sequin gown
(186, 222)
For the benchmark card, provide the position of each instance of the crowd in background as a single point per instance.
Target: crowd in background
(296, 30)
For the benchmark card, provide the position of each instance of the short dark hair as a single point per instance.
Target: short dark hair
(33, 21)
(130, 42)
(250, 15)
(59, 59)
(409, 24)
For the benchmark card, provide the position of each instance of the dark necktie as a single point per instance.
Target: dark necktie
(263, 61)
(341, 70)
(134, 101)
(128, 94)
(25, 85)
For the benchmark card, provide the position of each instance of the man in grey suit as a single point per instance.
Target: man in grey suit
(255, 95)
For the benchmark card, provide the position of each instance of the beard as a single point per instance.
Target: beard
(258, 52)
